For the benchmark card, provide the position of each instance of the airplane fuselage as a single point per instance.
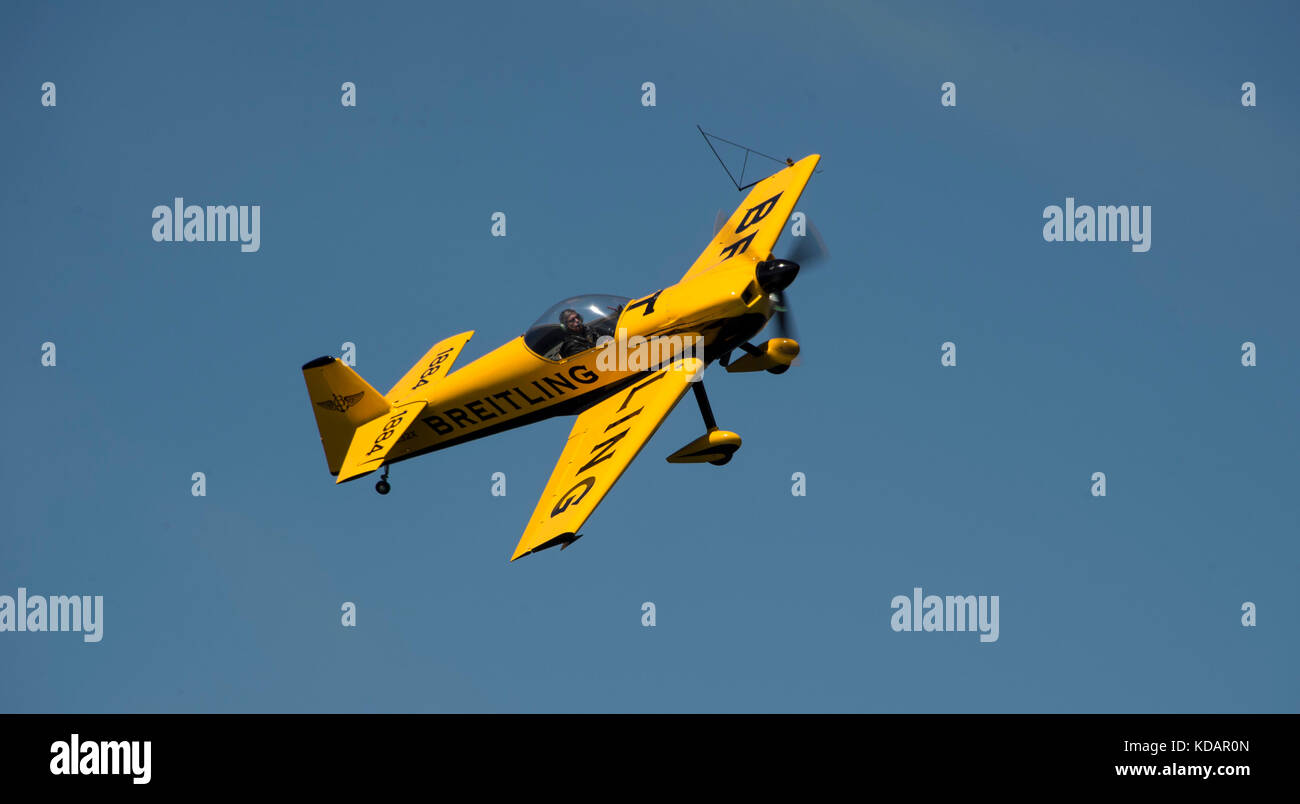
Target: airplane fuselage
(512, 385)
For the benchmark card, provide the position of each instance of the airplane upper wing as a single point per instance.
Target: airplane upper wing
(603, 442)
(752, 230)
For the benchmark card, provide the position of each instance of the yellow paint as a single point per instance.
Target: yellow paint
(618, 408)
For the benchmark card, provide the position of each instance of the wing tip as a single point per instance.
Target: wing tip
(563, 540)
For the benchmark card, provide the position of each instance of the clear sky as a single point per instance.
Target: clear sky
(1072, 358)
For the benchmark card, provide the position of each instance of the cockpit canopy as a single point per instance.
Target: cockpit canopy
(599, 315)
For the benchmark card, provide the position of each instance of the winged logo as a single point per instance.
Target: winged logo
(341, 403)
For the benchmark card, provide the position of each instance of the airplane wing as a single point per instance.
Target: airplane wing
(375, 439)
(752, 230)
(603, 442)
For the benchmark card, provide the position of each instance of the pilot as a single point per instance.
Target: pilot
(578, 337)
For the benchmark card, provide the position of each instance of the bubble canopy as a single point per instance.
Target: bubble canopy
(599, 313)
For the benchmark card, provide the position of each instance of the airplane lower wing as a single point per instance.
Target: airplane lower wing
(604, 440)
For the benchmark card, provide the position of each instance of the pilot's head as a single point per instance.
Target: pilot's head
(571, 320)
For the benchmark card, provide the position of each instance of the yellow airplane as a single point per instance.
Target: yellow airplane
(619, 364)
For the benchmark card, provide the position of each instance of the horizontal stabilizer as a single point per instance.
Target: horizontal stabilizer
(374, 440)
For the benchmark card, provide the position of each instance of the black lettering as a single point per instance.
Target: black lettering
(543, 390)
(439, 426)
(558, 382)
(625, 418)
(488, 399)
(589, 376)
(563, 505)
(432, 369)
(460, 417)
(656, 378)
(526, 397)
(506, 396)
(740, 244)
(389, 428)
(606, 451)
(648, 303)
(756, 214)
(476, 407)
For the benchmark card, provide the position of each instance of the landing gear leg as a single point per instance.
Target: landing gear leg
(705, 409)
(710, 423)
(715, 446)
(382, 486)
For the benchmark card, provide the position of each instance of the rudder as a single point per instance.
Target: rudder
(342, 402)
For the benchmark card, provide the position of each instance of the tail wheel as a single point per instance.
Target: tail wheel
(382, 487)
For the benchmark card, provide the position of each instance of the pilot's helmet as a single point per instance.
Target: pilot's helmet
(564, 316)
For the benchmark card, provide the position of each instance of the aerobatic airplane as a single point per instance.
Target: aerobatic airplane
(589, 356)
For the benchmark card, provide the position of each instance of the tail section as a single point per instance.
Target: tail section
(358, 425)
(342, 402)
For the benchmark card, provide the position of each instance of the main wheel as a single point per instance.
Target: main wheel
(382, 487)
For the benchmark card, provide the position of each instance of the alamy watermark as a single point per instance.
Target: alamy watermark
(73, 757)
(640, 353)
(179, 223)
(57, 613)
(1102, 224)
(950, 613)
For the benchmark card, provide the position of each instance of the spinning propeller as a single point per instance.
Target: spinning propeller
(809, 251)
(775, 275)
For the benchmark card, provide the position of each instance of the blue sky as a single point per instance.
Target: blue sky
(375, 228)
